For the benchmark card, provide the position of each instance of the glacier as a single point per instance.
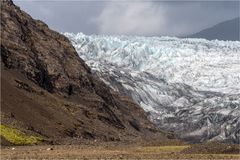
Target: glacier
(188, 86)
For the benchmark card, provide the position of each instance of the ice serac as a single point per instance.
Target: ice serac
(188, 86)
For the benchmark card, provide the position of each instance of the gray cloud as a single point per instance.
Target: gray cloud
(133, 18)
(163, 18)
(63, 16)
(146, 18)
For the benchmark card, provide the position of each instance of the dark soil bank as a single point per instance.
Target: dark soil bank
(213, 148)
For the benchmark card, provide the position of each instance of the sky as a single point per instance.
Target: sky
(144, 18)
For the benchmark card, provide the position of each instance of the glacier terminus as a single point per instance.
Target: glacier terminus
(187, 86)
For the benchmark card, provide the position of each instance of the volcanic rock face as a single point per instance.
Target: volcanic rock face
(45, 56)
(48, 91)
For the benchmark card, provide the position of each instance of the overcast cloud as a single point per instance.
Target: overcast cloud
(147, 18)
(131, 18)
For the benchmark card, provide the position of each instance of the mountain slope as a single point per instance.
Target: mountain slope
(188, 86)
(227, 30)
(49, 92)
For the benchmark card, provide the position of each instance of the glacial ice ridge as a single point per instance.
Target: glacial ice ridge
(202, 64)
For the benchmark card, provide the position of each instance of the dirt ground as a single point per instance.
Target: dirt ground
(105, 152)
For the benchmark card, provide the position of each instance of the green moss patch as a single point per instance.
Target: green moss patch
(17, 137)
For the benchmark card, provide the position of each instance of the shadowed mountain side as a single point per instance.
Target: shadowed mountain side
(227, 30)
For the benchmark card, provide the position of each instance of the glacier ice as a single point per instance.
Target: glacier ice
(190, 86)
(202, 64)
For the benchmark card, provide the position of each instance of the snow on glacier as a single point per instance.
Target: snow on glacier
(189, 86)
(202, 64)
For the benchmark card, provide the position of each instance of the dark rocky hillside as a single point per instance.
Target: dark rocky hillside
(49, 92)
(227, 30)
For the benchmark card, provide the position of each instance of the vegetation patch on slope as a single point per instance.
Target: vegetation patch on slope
(17, 137)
